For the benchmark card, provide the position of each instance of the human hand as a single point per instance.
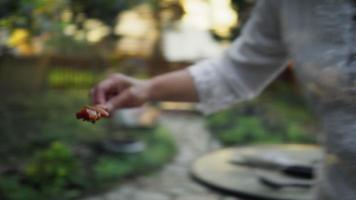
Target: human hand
(120, 91)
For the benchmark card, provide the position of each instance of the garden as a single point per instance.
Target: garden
(46, 153)
(53, 51)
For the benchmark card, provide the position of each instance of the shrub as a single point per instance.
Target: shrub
(52, 171)
(159, 150)
(278, 116)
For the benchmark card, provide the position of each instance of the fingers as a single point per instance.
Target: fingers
(127, 99)
(102, 110)
(99, 92)
(108, 88)
(118, 101)
(119, 91)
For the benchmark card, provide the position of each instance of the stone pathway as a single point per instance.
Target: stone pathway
(173, 182)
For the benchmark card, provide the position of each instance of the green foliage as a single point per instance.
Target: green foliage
(10, 188)
(154, 155)
(43, 118)
(43, 141)
(57, 173)
(110, 168)
(108, 9)
(47, 175)
(278, 116)
(55, 165)
(71, 78)
(68, 46)
(45, 15)
(36, 15)
(250, 129)
(159, 150)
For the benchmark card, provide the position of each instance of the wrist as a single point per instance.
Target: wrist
(144, 90)
(150, 90)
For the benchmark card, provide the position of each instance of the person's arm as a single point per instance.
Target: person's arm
(120, 91)
(174, 86)
(252, 61)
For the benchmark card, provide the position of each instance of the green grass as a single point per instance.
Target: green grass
(279, 115)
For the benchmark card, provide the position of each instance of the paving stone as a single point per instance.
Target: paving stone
(149, 195)
(176, 191)
(198, 197)
(95, 198)
(121, 193)
(195, 188)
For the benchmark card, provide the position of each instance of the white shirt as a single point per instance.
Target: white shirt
(320, 37)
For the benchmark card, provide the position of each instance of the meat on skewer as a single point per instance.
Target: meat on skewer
(92, 113)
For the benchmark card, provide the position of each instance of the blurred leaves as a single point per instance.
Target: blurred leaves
(35, 15)
(52, 170)
(71, 78)
(160, 149)
(46, 14)
(108, 11)
(278, 116)
(57, 163)
(51, 155)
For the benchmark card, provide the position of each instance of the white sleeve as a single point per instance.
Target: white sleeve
(247, 67)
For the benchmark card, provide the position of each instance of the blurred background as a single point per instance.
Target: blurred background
(53, 51)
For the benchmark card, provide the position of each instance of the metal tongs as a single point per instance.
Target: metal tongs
(282, 165)
(298, 175)
(278, 183)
